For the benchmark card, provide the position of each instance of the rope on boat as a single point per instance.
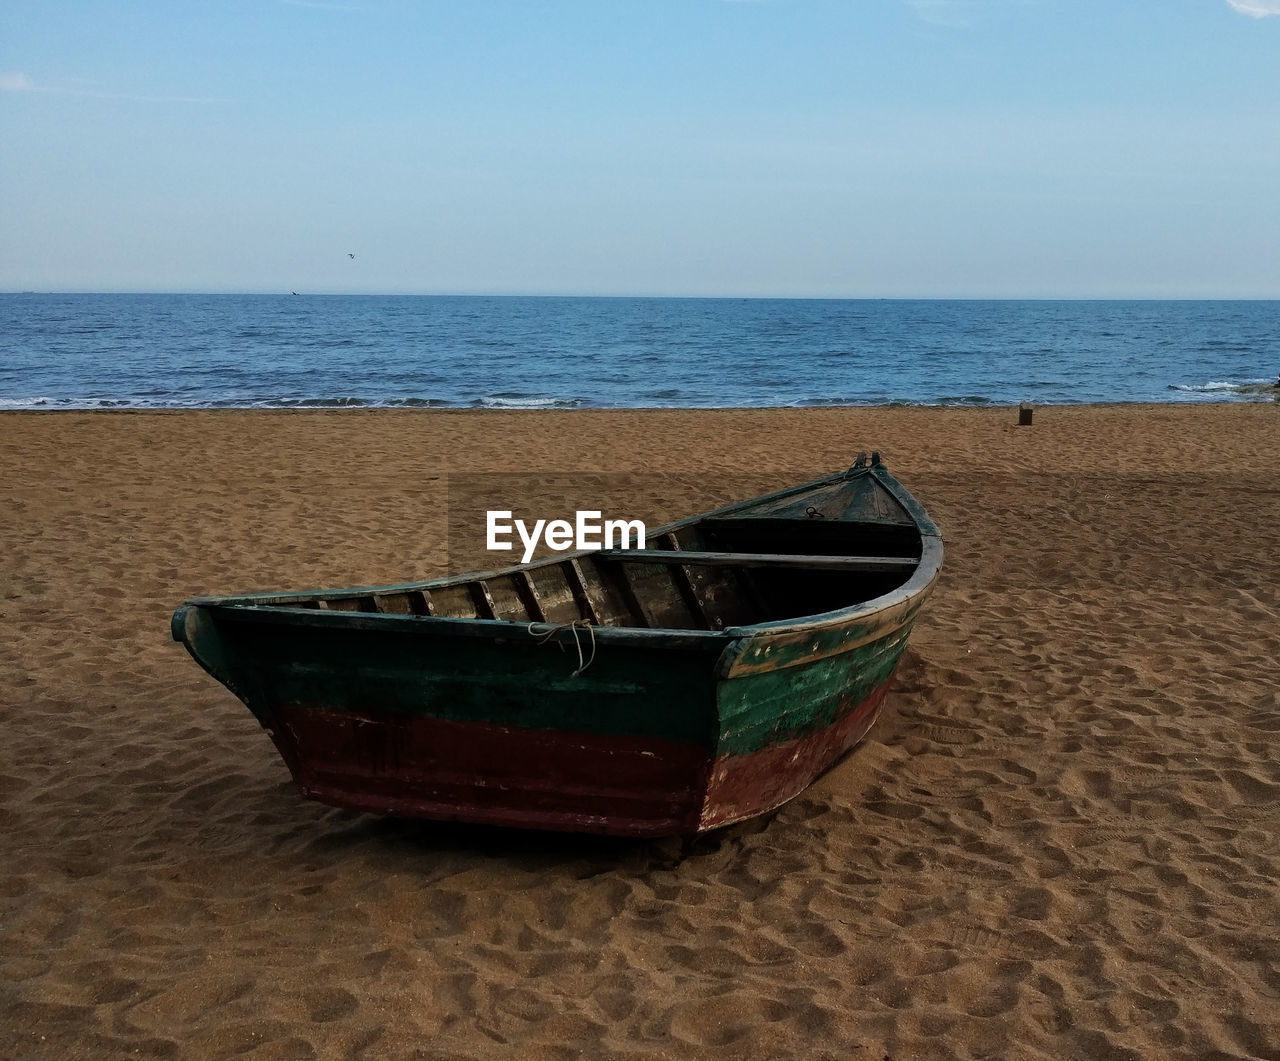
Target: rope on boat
(575, 626)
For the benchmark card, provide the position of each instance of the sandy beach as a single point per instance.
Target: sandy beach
(1062, 839)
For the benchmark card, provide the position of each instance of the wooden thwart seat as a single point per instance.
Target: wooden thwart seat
(888, 564)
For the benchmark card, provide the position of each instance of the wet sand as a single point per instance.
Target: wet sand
(1061, 840)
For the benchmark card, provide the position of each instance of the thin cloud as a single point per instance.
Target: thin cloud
(19, 82)
(16, 82)
(1256, 8)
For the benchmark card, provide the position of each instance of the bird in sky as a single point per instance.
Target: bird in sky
(351, 256)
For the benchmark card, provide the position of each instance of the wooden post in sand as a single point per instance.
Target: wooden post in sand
(1024, 415)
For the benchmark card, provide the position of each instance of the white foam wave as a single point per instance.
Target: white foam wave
(25, 403)
(1213, 385)
(1241, 387)
(493, 402)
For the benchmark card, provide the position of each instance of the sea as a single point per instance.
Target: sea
(138, 351)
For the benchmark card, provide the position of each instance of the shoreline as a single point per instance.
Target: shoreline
(1263, 398)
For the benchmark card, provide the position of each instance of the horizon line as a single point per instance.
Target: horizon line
(18, 292)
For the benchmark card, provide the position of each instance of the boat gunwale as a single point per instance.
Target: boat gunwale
(265, 607)
(455, 626)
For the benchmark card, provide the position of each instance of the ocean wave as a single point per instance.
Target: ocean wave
(1246, 388)
(347, 402)
(322, 403)
(27, 403)
(73, 404)
(169, 401)
(1213, 385)
(521, 401)
(965, 399)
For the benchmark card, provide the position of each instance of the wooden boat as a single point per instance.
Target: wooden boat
(671, 690)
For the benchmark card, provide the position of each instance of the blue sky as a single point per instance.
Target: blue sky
(859, 148)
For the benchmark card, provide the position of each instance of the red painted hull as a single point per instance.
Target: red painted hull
(496, 775)
(741, 786)
(584, 782)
